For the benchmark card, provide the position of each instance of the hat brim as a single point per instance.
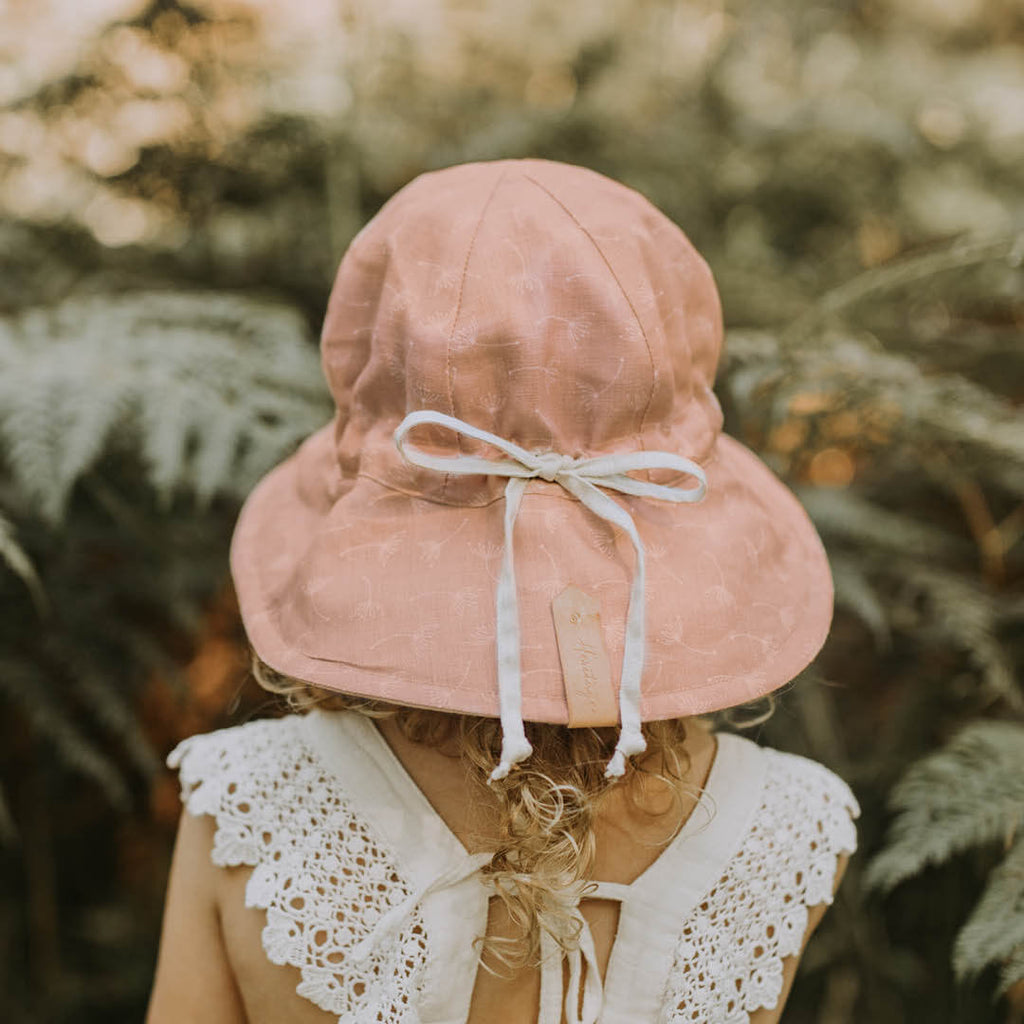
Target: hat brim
(387, 595)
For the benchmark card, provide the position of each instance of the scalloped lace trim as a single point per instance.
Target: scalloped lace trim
(325, 879)
(728, 961)
(320, 873)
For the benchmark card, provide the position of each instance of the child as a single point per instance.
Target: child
(504, 803)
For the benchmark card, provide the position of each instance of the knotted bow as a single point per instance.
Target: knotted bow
(578, 477)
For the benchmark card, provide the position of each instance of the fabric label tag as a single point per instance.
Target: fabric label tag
(585, 668)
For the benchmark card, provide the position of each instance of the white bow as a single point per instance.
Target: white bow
(578, 477)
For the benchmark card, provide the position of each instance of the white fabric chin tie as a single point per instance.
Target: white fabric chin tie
(578, 477)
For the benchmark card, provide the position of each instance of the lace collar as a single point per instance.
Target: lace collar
(446, 887)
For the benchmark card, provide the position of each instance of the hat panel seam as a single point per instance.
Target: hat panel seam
(622, 289)
(458, 312)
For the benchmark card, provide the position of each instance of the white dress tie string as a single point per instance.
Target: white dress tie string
(553, 1001)
(578, 477)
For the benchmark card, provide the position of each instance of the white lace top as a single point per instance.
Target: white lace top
(376, 902)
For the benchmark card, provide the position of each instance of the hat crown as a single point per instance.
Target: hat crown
(539, 301)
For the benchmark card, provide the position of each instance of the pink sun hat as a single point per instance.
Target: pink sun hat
(521, 355)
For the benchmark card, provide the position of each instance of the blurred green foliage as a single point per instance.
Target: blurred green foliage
(178, 183)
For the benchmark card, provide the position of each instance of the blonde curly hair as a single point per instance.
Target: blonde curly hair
(546, 807)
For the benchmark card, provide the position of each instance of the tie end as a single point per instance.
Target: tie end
(631, 742)
(512, 752)
(616, 766)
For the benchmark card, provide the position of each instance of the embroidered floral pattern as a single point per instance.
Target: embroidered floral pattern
(728, 961)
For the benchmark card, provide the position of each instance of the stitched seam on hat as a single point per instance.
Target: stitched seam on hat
(419, 496)
(458, 312)
(629, 301)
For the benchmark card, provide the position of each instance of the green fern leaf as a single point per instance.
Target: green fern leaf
(217, 444)
(1012, 972)
(967, 615)
(190, 380)
(30, 414)
(995, 930)
(853, 591)
(113, 711)
(165, 429)
(21, 565)
(984, 429)
(846, 516)
(93, 409)
(22, 684)
(969, 793)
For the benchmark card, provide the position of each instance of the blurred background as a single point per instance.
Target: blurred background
(177, 184)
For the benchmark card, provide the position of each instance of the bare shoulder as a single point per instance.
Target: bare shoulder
(193, 979)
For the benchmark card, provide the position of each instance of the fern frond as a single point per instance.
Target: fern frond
(23, 685)
(751, 364)
(967, 614)
(995, 930)
(30, 431)
(853, 591)
(218, 447)
(164, 432)
(1012, 972)
(849, 517)
(934, 407)
(21, 565)
(961, 253)
(189, 380)
(92, 413)
(855, 371)
(969, 793)
(113, 711)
